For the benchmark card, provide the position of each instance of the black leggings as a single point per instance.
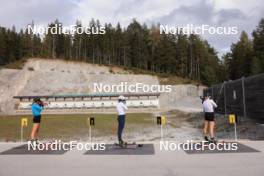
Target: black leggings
(121, 124)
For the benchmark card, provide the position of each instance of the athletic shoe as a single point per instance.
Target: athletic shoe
(206, 139)
(33, 142)
(213, 140)
(122, 143)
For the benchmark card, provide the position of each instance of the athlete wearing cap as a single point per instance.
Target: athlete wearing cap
(36, 108)
(121, 108)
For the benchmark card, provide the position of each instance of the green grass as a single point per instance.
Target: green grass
(72, 127)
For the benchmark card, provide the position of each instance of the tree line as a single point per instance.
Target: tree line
(141, 47)
(246, 57)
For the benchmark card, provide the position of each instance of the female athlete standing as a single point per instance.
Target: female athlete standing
(36, 108)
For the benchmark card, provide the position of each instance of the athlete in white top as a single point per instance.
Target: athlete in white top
(209, 105)
(121, 118)
(121, 108)
(209, 123)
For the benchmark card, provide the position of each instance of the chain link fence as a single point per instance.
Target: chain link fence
(243, 97)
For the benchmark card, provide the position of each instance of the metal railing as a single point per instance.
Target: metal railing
(243, 97)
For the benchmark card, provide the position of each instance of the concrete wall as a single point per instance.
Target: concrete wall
(182, 97)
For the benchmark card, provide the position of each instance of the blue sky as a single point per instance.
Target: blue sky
(241, 13)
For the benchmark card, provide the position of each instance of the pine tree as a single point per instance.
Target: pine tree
(135, 46)
(255, 66)
(241, 57)
(258, 43)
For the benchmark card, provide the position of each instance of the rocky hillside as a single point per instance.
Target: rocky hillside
(47, 77)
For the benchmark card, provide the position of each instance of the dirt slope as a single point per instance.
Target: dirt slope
(47, 77)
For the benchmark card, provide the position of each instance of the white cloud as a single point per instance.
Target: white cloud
(213, 12)
(20, 13)
(241, 13)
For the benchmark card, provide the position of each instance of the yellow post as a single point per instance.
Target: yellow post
(24, 123)
(232, 118)
(88, 121)
(163, 120)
